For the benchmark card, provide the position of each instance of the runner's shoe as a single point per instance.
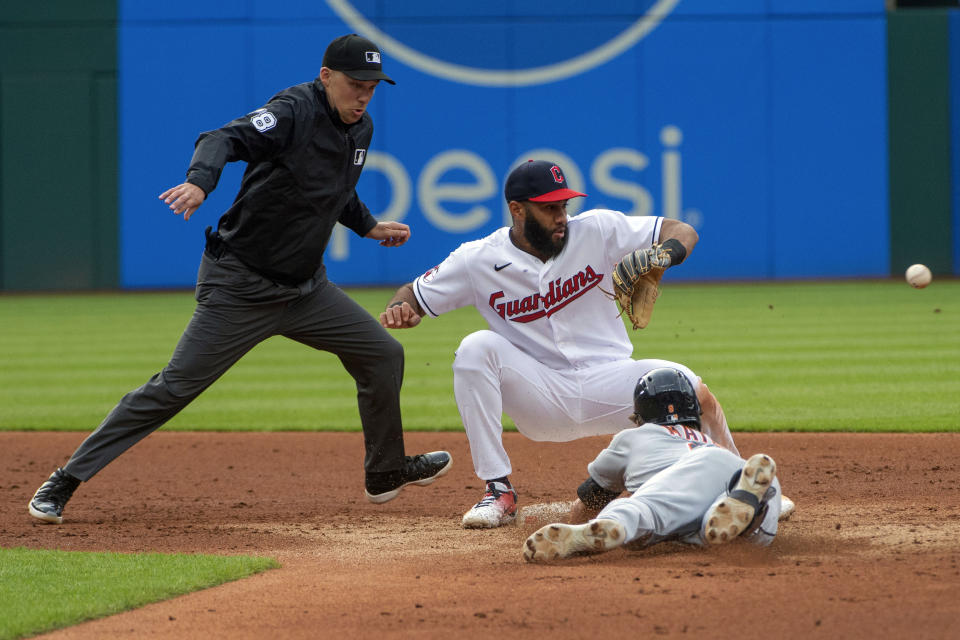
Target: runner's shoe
(787, 507)
(557, 541)
(746, 497)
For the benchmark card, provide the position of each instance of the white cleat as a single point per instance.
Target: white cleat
(733, 512)
(497, 508)
(787, 507)
(556, 541)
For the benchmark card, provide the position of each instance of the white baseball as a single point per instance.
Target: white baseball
(918, 275)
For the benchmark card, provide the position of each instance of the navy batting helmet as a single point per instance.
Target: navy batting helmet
(665, 396)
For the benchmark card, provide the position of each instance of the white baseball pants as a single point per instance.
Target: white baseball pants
(492, 377)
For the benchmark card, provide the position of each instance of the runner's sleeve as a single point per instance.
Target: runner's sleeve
(595, 496)
(609, 467)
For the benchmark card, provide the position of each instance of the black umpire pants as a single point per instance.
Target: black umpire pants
(236, 310)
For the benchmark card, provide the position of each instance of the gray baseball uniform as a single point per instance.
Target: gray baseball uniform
(675, 474)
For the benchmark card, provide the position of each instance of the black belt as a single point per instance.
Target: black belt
(216, 247)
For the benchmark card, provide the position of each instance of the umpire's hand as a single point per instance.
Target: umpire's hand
(184, 198)
(390, 234)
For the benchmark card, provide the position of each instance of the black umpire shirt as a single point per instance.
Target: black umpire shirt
(303, 164)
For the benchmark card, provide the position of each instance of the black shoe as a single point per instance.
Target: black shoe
(50, 499)
(420, 470)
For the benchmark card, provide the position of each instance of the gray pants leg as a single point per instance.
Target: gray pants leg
(236, 310)
(671, 504)
(219, 333)
(329, 320)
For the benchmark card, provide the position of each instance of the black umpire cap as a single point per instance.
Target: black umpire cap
(355, 56)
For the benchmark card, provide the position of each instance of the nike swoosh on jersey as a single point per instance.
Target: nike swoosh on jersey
(498, 267)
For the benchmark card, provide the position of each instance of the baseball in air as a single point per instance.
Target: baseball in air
(918, 276)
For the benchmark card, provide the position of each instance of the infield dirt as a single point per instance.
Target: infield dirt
(871, 552)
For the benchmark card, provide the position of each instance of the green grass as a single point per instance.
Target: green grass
(45, 590)
(818, 356)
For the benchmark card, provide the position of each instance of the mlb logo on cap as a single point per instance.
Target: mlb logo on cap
(357, 57)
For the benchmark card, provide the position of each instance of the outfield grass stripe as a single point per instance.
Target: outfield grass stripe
(67, 359)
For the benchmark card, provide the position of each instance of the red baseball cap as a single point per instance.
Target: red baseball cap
(539, 181)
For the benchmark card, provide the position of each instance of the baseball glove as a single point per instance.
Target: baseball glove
(636, 283)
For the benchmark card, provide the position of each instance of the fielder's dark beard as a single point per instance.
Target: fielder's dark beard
(540, 238)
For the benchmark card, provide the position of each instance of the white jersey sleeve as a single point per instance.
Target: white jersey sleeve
(448, 285)
(624, 234)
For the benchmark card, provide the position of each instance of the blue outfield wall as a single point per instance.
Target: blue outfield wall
(761, 122)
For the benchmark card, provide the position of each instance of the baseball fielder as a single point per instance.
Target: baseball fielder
(556, 357)
(683, 486)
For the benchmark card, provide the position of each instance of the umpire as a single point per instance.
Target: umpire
(262, 273)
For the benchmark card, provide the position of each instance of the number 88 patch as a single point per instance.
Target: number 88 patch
(263, 120)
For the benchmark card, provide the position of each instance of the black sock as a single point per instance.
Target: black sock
(504, 480)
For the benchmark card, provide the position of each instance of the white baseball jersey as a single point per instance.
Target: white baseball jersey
(554, 311)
